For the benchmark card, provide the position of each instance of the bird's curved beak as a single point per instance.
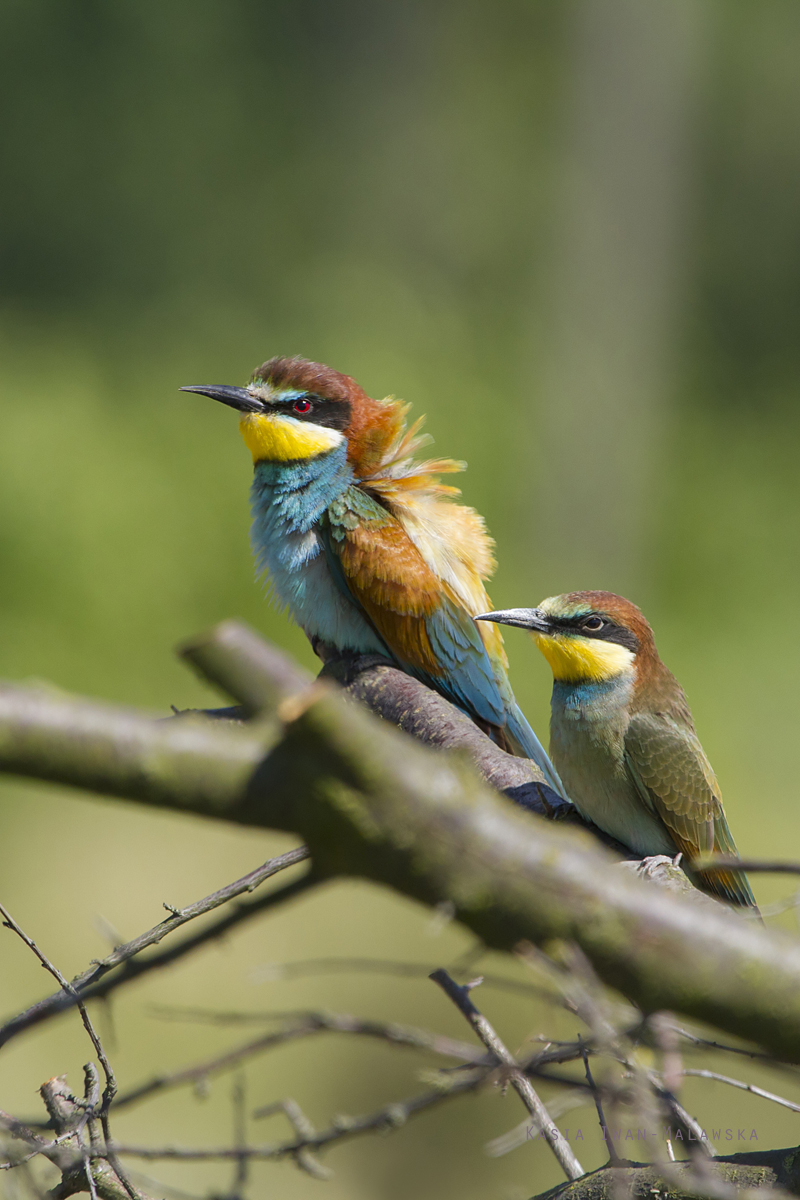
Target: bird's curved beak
(524, 618)
(234, 397)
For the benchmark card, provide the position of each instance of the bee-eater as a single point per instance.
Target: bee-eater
(364, 545)
(622, 735)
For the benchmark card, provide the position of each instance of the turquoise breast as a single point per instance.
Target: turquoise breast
(287, 501)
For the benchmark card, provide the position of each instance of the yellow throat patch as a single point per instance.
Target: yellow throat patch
(276, 437)
(576, 659)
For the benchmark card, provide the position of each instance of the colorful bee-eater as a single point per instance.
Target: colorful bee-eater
(622, 735)
(364, 545)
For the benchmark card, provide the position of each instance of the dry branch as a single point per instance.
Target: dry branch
(733, 1177)
(234, 658)
(385, 1119)
(123, 964)
(519, 1081)
(95, 1108)
(259, 676)
(428, 717)
(304, 1025)
(372, 803)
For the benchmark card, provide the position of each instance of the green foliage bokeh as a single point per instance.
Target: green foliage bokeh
(190, 188)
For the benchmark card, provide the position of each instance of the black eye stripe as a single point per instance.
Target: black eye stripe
(334, 414)
(609, 631)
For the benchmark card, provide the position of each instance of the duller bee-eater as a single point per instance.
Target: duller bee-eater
(622, 735)
(364, 545)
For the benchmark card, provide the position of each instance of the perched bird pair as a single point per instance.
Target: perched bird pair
(363, 544)
(365, 547)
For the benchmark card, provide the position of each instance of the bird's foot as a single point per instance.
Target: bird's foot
(655, 865)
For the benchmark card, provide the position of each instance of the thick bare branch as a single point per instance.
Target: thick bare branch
(764, 1175)
(372, 803)
(259, 676)
(188, 764)
(256, 674)
(404, 702)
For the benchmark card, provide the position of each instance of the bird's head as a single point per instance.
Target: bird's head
(293, 410)
(587, 637)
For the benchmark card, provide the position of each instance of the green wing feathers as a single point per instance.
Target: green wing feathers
(668, 766)
(732, 885)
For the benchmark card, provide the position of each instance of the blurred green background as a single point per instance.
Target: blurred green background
(569, 233)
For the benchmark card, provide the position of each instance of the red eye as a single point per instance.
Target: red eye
(302, 406)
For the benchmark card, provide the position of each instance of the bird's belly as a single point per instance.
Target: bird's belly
(599, 787)
(299, 577)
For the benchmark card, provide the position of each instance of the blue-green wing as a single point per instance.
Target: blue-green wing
(375, 564)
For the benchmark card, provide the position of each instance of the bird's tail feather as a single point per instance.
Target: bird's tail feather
(526, 744)
(732, 885)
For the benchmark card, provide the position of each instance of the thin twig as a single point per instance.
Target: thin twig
(726, 1048)
(304, 967)
(239, 1106)
(701, 1073)
(10, 923)
(519, 1081)
(22, 1132)
(684, 1119)
(303, 1127)
(305, 1025)
(728, 862)
(87, 1167)
(390, 1031)
(613, 1157)
(95, 983)
(556, 1107)
(776, 909)
(583, 989)
(162, 1189)
(110, 1089)
(387, 1118)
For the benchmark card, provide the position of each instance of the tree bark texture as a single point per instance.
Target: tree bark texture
(371, 802)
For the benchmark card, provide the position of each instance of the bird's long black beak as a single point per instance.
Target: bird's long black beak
(524, 618)
(234, 397)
